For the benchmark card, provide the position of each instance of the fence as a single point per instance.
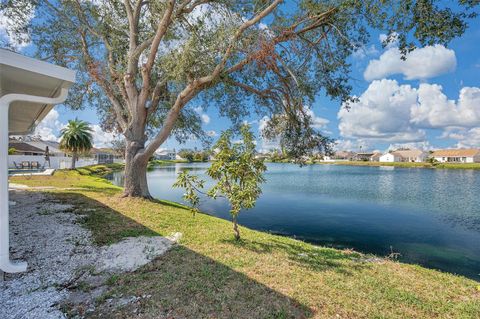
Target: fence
(56, 162)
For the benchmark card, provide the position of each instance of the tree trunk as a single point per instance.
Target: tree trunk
(74, 159)
(235, 227)
(135, 171)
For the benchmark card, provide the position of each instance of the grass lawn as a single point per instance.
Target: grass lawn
(209, 275)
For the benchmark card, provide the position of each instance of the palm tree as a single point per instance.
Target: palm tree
(76, 138)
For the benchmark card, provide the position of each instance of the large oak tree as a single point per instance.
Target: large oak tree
(141, 62)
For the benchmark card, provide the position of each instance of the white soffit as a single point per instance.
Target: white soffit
(23, 75)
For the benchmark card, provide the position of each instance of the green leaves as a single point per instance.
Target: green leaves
(275, 67)
(236, 171)
(192, 185)
(76, 137)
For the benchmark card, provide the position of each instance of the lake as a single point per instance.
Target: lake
(430, 216)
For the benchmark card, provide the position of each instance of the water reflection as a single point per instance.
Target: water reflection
(432, 217)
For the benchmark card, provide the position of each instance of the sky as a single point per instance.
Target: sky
(429, 101)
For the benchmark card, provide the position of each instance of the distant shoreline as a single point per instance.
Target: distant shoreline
(475, 166)
(407, 164)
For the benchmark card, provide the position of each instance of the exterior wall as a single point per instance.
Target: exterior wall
(389, 158)
(457, 159)
(416, 159)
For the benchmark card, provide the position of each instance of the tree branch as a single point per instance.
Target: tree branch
(91, 66)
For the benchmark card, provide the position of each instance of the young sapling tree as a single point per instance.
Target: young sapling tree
(236, 172)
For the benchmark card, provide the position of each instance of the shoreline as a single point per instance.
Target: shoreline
(470, 166)
(262, 275)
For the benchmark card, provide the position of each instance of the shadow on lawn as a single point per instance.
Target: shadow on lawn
(309, 256)
(180, 284)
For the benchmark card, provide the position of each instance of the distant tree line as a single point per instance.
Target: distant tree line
(194, 155)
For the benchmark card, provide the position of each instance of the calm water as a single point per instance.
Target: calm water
(431, 217)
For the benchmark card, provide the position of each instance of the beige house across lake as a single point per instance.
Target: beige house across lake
(457, 156)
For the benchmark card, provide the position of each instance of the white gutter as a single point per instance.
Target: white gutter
(6, 264)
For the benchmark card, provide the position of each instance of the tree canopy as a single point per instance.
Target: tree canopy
(237, 174)
(76, 138)
(141, 62)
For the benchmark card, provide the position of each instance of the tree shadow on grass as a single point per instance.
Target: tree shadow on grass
(180, 284)
(312, 257)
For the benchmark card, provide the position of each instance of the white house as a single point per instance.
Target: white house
(375, 157)
(412, 155)
(457, 156)
(404, 156)
(29, 89)
(53, 147)
(166, 155)
(390, 158)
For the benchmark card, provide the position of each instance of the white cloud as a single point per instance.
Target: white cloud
(101, 138)
(49, 128)
(424, 145)
(392, 41)
(352, 145)
(205, 118)
(211, 133)
(466, 138)
(389, 112)
(317, 122)
(421, 63)
(8, 27)
(435, 110)
(363, 51)
(382, 113)
(266, 145)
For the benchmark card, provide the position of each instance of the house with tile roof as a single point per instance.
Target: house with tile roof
(457, 155)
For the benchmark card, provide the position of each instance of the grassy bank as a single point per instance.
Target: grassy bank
(209, 275)
(408, 165)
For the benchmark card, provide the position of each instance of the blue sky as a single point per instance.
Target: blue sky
(430, 101)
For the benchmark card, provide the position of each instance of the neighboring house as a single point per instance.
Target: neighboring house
(343, 155)
(22, 148)
(104, 155)
(53, 147)
(457, 156)
(375, 157)
(166, 155)
(404, 156)
(412, 155)
(390, 158)
(365, 156)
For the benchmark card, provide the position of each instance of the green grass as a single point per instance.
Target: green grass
(101, 169)
(209, 275)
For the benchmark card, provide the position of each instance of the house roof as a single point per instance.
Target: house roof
(24, 75)
(165, 152)
(344, 154)
(408, 153)
(456, 153)
(53, 147)
(103, 150)
(24, 147)
(365, 154)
